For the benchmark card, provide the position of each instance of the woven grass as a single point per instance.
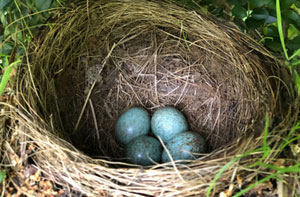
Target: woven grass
(103, 57)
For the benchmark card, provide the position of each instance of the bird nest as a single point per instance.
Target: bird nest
(102, 58)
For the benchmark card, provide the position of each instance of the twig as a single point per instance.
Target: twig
(92, 87)
(3, 188)
(171, 158)
(94, 118)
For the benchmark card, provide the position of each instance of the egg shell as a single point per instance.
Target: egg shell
(132, 123)
(141, 149)
(168, 122)
(184, 146)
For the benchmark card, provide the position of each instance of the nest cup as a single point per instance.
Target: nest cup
(100, 60)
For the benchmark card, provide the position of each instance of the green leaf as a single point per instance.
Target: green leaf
(274, 44)
(286, 4)
(271, 5)
(211, 8)
(206, 2)
(46, 16)
(295, 62)
(55, 4)
(31, 5)
(297, 3)
(291, 16)
(271, 31)
(253, 24)
(4, 4)
(6, 48)
(296, 54)
(260, 14)
(293, 130)
(297, 82)
(238, 2)
(293, 44)
(3, 20)
(2, 175)
(280, 29)
(240, 23)
(293, 32)
(219, 174)
(253, 185)
(42, 4)
(24, 10)
(258, 3)
(271, 19)
(239, 12)
(6, 76)
(272, 16)
(35, 20)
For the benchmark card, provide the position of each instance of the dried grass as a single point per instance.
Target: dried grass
(152, 54)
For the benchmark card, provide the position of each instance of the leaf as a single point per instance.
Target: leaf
(2, 175)
(271, 19)
(253, 24)
(24, 10)
(31, 6)
(272, 16)
(271, 5)
(6, 76)
(291, 16)
(255, 184)
(218, 11)
(293, 44)
(280, 29)
(286, 4)
(274, 44)
(6, 48)
(296, 54)
(271, 31)
(206, 2)
(219, 174)
(240, 24)
(3, 20)
(4, 4)
(297, 3)
(239, 12)
(42, 4)
(258, 3)
(263, 14)
(297, 82)
(238, 2)
(295, 63)
(260, 14)
(55, 4)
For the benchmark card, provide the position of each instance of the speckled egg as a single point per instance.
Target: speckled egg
(167, 122)
(143, 150)
(131, 124)
(184, 146)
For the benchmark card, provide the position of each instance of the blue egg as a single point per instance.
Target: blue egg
(184, 146)
(131, 124)
(144, 150)
(167, 122)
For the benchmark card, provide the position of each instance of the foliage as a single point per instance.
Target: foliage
(265, 152)
(2, 175)
(19, 21)
(259, 17)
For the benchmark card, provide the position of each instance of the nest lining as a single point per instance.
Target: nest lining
(150, 54)
(222, 98)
